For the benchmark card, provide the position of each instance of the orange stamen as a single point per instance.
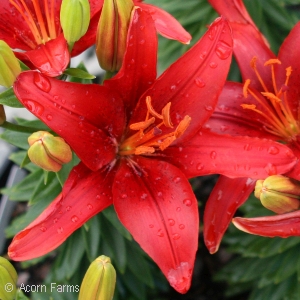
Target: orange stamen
(253, 66)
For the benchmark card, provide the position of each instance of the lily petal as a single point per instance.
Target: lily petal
(196, 78)
(138, 70)
(295, 172)
(166, 24)
(85, 194)
(226, 197)
(211, 153)
(284, 225)
(76, 112)
(289, 56)
(156, 204)
(52, 58)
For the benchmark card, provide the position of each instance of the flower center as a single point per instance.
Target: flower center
(41, 25)
(279, 118)
(150, 137)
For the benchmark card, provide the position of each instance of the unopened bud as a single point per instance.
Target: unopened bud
(74, 19)
(9, 65)
(99, 281)
(48, 152)
(2, 115)
(278, 193)
(112, 33)
(8, 280)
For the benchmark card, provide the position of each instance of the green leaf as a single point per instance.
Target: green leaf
(9, 98)
(78, 73)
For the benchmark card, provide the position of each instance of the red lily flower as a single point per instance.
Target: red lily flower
(140, 159)
(36, 31)
(266, 106)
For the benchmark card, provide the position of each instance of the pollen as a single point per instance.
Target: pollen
(154, 132)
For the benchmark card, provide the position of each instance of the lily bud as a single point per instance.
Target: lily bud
(99, 281)
(8, 280)
(278, 193)
(9, 65)
(112, 33)
(48, 152)
(74, 19)
(2, 115)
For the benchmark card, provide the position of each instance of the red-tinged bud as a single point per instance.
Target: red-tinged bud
(112, 33)
(48, 152)
(9, 65)
(74, 19)
(2, 115)
(278, 193)
(99, 281)
(8, 280)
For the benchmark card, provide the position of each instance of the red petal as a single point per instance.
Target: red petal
(52, 58)
(81, 114)
(284, 225)
(138, 70)
(230, 118)
(193, 83)
(211, 153)
(227, 196)
(289, 57)
(156, 204)
(86, 194)
(295, 172)
(166, 24)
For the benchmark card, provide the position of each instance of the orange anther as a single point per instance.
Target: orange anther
(144, 150)
(142, 125)
(245, 88)
(166, 116)
(151, 109)
(272, 61)
(182, 126)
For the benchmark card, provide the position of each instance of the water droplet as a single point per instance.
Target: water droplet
(187, 202)
(271, 169)
(212, 32)
(247, 147)
(60, 230)
(124, 196)
(159, 194)
(151, 225)
(178, 209)
(247, 167)
(223, 50)
(41, 82)
(160, 233)
(49, 117)
(74, 219)
(55, 220)
(273, 150)
(142, 42)
(181, 226)
(213, 65)
(176, 236)
(213, 154)
(142, 27)
(173, 87)
(208, 107)
(176, 179)
(171, 222)
(144, 196)
(89, 206)
(200, 166)
(43, 228)
(199, 82)
(223, 128)
(35, 107)
(98, 196)
(144, 66)
(203, 55)
(68, 208)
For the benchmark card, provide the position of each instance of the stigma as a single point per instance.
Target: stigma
(41, 20)
(151, 133)
(279, 119)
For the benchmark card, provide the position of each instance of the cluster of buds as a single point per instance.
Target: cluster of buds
(278, 193)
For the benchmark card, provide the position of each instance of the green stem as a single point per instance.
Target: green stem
(18, 128)
(108, 75)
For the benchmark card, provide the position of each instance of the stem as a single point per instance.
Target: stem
(18, 128)
(108, 75)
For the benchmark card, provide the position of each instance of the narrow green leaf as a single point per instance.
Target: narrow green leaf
(9, 98)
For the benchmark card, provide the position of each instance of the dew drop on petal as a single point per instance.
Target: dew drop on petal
(34, 107)
(176, 179)
(43, 228)
(199, 82)
(273, 150)
(213, 154)
(213, 65)
(41, 82)
(271, 169)
(74, 219)
(247, 147)
(200, 166)
(223, 50)
(187, 202)
(180, 277)
(60, 230)
(208, 108)
(171, 222)
(178, 209)
(124, 196)
(160, 233)
(68, 208)
(176, 236)
(181, 226)
(55, 220)
(89, 206)
(49, 117)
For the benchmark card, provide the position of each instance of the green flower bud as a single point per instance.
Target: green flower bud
(9, 65)
(74, 19)
(278, 193)
(99, 281)
(112, 33)
(8, 280)
(48, 152)
(2, 117)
